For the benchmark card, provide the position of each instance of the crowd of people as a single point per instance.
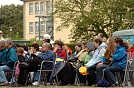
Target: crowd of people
(101, 55)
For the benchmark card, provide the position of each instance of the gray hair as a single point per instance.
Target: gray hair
(9, 41)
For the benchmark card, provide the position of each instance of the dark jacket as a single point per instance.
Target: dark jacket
(11, 57)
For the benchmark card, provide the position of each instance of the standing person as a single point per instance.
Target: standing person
(11, 58)
(1, 38)
(119, 61)
(47, 38)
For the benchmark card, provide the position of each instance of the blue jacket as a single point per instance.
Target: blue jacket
(48, 55)
(11, 57)
(97, 56)
(119, 57)
(3, 55)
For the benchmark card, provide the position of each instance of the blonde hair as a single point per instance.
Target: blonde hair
(2, 44)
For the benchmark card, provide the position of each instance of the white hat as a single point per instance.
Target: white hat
(1, 31)
(47, 36)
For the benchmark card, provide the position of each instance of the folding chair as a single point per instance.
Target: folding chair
(129, 69)
(43, 70)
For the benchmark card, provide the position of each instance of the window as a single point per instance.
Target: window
(30, 8)
(42, 7)
(47, 6)
(36, 7)
(36, 27)
(48, 27)
(42, 26)
(30, 27)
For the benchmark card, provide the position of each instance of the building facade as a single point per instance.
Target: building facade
(37, 21)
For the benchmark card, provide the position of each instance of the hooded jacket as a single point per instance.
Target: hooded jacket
(97, 57)
(119, 57)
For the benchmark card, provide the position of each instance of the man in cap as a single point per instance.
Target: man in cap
(1, 38)
(47, 38)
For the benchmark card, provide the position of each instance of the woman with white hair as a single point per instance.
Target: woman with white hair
(11, 58)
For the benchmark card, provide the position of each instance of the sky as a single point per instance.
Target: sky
(8, 2)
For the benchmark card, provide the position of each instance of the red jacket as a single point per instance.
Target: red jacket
(61, 53)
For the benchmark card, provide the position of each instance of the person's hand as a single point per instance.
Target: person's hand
(99, 64)
(111, 59)
(55, 48)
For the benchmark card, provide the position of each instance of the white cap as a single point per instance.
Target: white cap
(1, 31)
(47, 36)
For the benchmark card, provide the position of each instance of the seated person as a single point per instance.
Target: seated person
(58, 44)
(118, 61)
(89, 47)
(3, 51)
(97, 57)
(11, 58)
(46, 54)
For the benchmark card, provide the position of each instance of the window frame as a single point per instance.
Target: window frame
(31, 5)
(31, 26)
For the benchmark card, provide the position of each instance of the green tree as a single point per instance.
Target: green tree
(94, 16)
(12, 16)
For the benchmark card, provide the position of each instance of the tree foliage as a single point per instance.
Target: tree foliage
(94, 16)
(12, 16)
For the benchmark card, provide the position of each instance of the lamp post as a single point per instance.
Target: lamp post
(10, 32)
(52, 19)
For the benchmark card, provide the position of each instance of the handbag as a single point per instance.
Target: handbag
(103, 82)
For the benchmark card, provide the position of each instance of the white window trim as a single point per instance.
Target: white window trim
(36, 7)
(31, 25)
(36, 27)
(47, 6)
(30, 6)
(42, 24)
(42, 7)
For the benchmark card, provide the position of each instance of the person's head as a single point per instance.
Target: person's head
(58, 43)
(8, 42)
(45, 46)
(111, 47)
(19, 50)
(83, 45)
(97, 42)
(2, 44)
(89, 46)
(95, 36)
(119, 41)
(46, 38)
(1, 33)
(17, 45)
(100, 35)
(35, 47)
(78, 47)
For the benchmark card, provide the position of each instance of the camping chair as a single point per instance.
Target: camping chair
(129, 69)
(50, 70)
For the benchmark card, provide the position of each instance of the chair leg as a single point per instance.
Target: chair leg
(76, 80)
(131, 78)
(57, 82)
